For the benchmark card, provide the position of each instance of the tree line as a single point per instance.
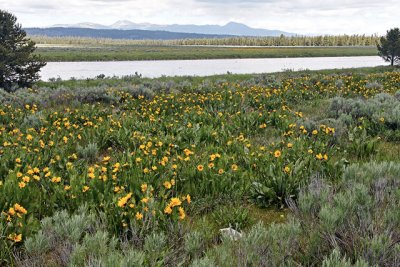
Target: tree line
(322, 40)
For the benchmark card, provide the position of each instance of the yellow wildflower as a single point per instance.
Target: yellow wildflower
(139, 216)
(11, 211)
(168, 209)
(200, 168)
(182, 214)
(123, 200)
(14, 237)
(188, 198)
(20, 209)
(144, 187)
(167, 185)
(26, 179)
(287, 169)
(175, 202)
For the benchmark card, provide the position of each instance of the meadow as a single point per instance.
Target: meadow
(150, 52)
(98, 49)
(144, 172)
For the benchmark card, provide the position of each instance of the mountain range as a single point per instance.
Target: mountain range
(118, 34)
(231, 28)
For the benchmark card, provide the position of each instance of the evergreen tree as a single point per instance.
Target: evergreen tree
(389, 48)
(18, 66)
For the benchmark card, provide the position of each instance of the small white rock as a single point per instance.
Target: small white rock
(230, 233)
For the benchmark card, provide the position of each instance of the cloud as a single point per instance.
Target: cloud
(43, 6)
(230, 2)
(109, 1)
(300, 16)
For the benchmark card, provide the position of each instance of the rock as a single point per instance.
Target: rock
(230, 233)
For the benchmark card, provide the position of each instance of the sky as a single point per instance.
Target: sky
(296, 16)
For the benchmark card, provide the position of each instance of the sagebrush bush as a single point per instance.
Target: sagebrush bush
(335, 259)
(155, 246)
(34, 121)
(194, 244)
(379, 114)
(355, 218)
(57, 238)
(397, 95)
(373, 85)
(89, 152)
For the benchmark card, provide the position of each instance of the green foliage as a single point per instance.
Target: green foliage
(376, 115)
(277, 184)
(18, 66)
(237, 218)
(89, 152)
(361, 145)
(389, 47)
(33, 121)
(261, 246)
(93, 248)
(54, 243)
(340, 225)
(194, 244)
(203, 262)
(176, 52)
(336, 260)
(155, 246)
(80, 240)
(354, 216)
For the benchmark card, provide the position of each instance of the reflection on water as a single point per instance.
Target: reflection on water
(157, 68)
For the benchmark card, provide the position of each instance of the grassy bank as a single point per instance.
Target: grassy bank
(198, 80)
(133, 52)
(145, 172)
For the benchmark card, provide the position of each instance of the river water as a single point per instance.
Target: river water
(157, 68)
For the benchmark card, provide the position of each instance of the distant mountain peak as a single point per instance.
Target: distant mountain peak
(232, 23)
(236, 25)
(122, 22)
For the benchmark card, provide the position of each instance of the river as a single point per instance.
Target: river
(157, 68)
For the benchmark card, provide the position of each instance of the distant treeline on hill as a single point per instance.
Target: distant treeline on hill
(117, 34)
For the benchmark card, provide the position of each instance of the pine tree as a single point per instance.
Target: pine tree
(18, 66)
(389, 48)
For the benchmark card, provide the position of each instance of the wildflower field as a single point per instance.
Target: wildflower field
(139, 172)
